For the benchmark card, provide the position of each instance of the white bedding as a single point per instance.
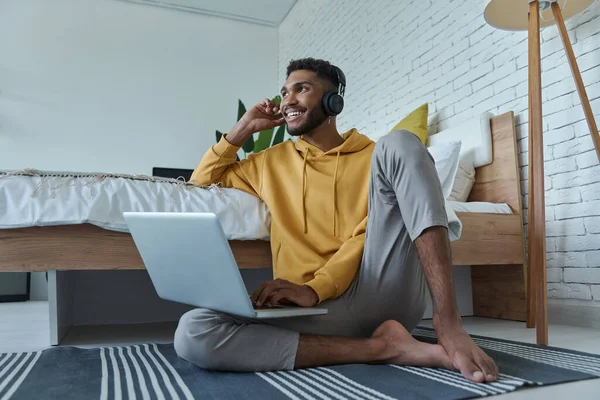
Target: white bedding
(479, 207)
(38, 199)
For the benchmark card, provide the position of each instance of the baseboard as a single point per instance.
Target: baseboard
(567, 312)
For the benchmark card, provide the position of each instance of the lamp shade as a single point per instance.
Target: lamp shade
(512, 15)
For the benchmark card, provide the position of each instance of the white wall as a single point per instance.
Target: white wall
(398, 54)
(110, 86)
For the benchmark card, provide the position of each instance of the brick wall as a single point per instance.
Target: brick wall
(398, 54)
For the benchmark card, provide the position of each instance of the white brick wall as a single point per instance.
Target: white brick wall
(398, 54)
(582, 275)
(596, 292)
(593, 259)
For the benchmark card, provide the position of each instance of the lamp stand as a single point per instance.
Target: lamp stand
(537, 311)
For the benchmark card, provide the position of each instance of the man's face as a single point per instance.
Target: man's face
(301, 98)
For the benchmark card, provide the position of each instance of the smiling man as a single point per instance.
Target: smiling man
(371, 274)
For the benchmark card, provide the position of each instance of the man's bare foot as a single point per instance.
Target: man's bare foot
(465, 356)
(402, 349)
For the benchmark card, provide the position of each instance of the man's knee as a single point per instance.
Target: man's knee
(400, 151)
(400, 143)
(401, 148)
(196, 340)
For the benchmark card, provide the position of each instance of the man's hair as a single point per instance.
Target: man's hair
(322, 68)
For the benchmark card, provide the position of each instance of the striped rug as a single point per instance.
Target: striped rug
(153, 371)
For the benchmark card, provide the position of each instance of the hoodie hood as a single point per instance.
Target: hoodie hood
(353, 142)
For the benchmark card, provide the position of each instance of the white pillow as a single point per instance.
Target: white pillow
(446, 156)
(463, 183)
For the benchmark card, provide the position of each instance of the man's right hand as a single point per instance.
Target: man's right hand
(280, 291)
(264, 115)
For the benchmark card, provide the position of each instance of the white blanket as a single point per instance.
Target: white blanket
(38, 198)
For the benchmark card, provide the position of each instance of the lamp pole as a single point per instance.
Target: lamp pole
(585, 101)
(537, 208)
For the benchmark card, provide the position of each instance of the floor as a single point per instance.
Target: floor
(25, 327)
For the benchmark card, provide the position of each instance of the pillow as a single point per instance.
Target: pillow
(446, 157)
(463, 183)
(416, 122)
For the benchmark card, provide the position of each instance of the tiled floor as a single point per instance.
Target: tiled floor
(25, 327)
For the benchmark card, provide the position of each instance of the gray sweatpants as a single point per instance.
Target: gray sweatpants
(405, 198)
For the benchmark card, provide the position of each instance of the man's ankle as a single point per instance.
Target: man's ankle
(379, 349)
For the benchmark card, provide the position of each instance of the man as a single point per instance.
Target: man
(369, 273)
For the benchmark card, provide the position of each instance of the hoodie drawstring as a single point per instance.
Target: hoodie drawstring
(304, 190)
(337, 162)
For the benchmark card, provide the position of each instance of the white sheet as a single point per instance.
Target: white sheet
(98, 199)
(44, 200)
(479, 207)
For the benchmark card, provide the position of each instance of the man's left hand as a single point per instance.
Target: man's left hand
(280, 291)
(465, 356)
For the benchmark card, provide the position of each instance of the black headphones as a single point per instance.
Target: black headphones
(333, 102)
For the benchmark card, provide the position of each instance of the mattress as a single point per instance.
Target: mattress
(45, 198)
(479, 207)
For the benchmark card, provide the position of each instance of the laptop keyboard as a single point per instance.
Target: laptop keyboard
(268, 306)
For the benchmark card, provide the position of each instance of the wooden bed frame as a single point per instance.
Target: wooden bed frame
(493, 244)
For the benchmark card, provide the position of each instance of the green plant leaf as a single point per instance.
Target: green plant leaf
(264, 140)
(279, 135)
(249, 145)
(218, 135)
(241, 109)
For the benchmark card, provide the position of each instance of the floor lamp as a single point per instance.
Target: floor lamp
(531, 15)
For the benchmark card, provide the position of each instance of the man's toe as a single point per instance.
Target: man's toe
(487, 371)
(471, 371)
(477, 376)
(491, 370)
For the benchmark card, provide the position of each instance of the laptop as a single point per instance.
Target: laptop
(189, 261)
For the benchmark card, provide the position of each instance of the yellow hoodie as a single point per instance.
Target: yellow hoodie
(318, 202)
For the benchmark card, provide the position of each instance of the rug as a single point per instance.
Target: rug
(153, 371)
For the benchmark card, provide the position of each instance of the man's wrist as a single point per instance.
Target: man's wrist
(311, 292)
(238, 134)
(447, 321)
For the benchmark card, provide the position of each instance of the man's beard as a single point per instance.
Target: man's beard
(314, 118)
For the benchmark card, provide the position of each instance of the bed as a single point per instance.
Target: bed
(491, 241)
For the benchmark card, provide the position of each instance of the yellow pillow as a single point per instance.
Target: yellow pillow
(416, 122)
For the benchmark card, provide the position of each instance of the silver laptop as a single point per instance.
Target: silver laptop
(189, 261)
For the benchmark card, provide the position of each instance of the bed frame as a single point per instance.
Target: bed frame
(493, 244)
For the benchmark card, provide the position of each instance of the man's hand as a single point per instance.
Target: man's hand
(264, 115)
(465, 356)
(281, 291)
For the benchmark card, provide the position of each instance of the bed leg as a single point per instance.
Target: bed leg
(499, 291)
(531, 298)
(60, 295)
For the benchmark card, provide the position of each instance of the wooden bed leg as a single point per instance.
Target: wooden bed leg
(60, 294)
(531, 296)
(537, 218)
(499, 291)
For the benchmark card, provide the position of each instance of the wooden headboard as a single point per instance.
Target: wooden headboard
(500, 182)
